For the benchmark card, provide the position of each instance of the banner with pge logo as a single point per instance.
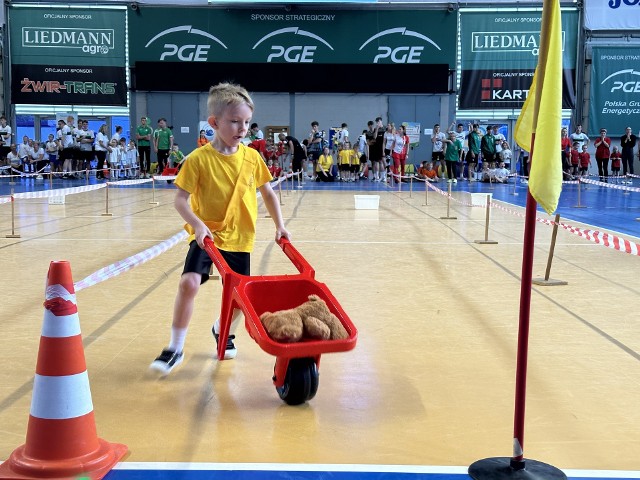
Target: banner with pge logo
(615, 89)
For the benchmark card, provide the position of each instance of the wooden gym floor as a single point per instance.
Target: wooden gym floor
(431, 381)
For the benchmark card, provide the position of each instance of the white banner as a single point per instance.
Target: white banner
(612, 15)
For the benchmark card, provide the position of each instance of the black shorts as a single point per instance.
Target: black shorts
(437, 156)
(198, 261)
(345, 167)
(489, 157)
(363, 158)
(470, 158)
(313, 155)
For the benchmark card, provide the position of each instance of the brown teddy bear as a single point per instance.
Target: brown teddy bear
(312, 319)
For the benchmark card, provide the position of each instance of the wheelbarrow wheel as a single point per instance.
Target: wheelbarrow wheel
(300, 382)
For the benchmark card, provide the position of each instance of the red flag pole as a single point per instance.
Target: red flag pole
(516, 468)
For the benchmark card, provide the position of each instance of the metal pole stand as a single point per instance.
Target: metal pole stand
(486, 226)
(426, 192)
(448, 217)
(106, 210)
(515, 184)
(13, 233)
(579, 188)
(546, 281)
(153, 191)
(282, 179)
(411, 186)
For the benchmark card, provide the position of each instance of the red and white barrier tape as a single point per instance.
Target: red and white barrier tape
(128, 263)
(610, 185)
(123, 183)
(57, 192)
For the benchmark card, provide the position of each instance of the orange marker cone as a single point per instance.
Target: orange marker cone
(61, 436)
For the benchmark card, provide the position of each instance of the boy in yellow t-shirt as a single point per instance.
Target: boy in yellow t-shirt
(206, 183)
(344, 162)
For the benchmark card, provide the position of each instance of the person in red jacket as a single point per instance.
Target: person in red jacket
(603, 152)
(575, 159)
(585, 161)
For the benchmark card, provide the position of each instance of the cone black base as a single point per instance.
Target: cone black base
(500, 468)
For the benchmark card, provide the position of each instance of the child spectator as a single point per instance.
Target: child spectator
(114, 158)
(427, 172)
(344, 161)
(202, 139)
(24, 150)
(575, 159)
(132, 158)
(616, 158)
(502, 173)
(585, 161)
(51, 149)
(274, 168)
(211, 177)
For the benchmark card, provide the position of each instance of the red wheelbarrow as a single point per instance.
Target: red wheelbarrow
(296, 369)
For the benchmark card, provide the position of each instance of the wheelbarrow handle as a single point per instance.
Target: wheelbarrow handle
(216, 257)
(296, 258)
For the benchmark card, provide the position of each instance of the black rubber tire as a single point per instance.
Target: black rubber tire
(300, 382)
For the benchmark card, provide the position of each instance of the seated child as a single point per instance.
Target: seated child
(427, 172)
(176, 157)
(501, 173)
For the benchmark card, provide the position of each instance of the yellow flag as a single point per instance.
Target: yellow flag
(545, 176)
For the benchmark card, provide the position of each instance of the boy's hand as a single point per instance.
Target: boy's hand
(282, 233)
(201, 232)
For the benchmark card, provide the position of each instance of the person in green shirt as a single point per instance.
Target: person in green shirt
(143, 136)
(162, 143)
(452, 155)
(488, 147)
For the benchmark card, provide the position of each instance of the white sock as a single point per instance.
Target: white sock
(178, 336)
(234, 322)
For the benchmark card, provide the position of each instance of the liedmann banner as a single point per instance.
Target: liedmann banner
(268, 36)
(615, 89)
(500, 53)
(68, 56)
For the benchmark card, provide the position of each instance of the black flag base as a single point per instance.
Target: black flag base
(504, 468)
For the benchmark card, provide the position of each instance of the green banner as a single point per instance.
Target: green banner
(67, 36)
(300, 36)
(511, 40)
(615, 89)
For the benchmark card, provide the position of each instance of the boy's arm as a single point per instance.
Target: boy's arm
(181, 203)
(273, 207)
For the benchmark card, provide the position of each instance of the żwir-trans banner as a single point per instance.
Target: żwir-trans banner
(63, 56)
(615, 89)
(500, 53)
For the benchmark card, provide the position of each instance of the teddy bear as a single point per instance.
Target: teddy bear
(312, 320)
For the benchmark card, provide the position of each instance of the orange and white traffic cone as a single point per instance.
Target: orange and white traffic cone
(61, 436)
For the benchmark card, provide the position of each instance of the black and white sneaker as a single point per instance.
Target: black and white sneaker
(167, 361)
(230, 351)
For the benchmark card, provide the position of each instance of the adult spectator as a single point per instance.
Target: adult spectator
(118, 135)
(488, 148)
(565, 153)
(65, 146)
(315, 143)
(452, 155)
(295, 150)
(13, 159)
(343, 135)
(498, 138)
(462, 136)
(628, 143)
(255, 133)
(603, 152)
(437, 152)
(324, 165)
(24, 152)
(362, 150)
(5, 138)
(473, 139)
(143, 136)
(36, 159)
(162, 143)
(376, 151)
(85, 141)
(102, 148)
(580, 137)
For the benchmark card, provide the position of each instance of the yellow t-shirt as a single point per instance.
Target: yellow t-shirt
(326, 163)
(345, 157)
(210, 177)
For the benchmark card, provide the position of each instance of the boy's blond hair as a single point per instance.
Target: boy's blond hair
(225, 95)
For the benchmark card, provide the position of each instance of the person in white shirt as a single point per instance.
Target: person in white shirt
(506, 154)
(437, 152)
(36, 158)
(343, 135)
(501, 173)
(255, 132)
(85, 141)
(24, 152)
(5, 138)
(114, 158)
(132, 158)
(498, 139)
(580, 137)
(51, 152)
(102, 149)
(12, 157)
(65, 146)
